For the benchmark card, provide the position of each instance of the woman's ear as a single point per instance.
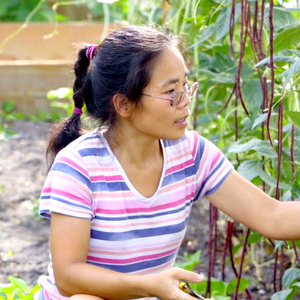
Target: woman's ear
(122, 105)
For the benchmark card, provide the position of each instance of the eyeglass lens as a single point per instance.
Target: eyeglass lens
(180, 96)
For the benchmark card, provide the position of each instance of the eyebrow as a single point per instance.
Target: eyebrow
(173, 80)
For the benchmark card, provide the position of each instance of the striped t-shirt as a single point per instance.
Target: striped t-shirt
(130, 233)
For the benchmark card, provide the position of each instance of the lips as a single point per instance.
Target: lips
(182, 120)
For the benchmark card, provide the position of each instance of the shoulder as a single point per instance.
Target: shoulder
(89, 144)
(81, 153)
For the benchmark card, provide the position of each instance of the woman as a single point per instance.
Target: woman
(119, 197)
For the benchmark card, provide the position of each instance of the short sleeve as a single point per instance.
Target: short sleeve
(212, 166)
(68, 188)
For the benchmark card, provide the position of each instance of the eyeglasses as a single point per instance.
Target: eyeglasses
(177, 97)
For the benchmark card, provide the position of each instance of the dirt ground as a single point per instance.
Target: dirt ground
(24, 250)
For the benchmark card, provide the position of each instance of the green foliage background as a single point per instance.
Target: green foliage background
(260, 137)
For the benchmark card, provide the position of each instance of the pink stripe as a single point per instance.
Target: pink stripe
(195, 144)
(107, 178)
(124, 226)
(131, 260)
(62, 209)
(70, 196)
(143, 209)
(146, 248)
(181, 166)
(216, 159)
(220, 173)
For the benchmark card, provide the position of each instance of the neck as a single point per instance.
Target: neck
(133, 148)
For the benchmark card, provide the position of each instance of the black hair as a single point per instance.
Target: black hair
(121, 64)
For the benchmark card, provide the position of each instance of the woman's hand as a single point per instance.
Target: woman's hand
(165, 285)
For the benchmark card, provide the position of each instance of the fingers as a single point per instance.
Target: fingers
(188, 276)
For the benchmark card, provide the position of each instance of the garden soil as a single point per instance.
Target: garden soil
(24, 238)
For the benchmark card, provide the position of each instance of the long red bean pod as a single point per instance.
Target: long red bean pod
(241, 265)
(272, 69)
(231, 28)
(243, 38)
(210, 250)
(228, 237)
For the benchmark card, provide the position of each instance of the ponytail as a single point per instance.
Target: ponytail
(70, 129)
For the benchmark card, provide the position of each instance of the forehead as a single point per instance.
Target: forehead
(169, 68)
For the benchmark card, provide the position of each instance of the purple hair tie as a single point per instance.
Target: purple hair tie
(90, 51)
(77, 111)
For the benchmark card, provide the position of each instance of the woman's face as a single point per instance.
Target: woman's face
(158, 118)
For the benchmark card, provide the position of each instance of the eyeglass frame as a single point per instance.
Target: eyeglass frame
(173, 96)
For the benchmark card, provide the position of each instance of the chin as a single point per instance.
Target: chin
(174, 136)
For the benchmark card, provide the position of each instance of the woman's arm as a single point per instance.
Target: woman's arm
(69, 243)
(247, 204)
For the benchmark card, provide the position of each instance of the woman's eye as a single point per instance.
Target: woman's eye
(170, 91)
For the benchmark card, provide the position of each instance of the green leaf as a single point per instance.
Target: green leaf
(294, 116)
(296, 284)
(253, 93)
(250, 169)
(282, 295)
(254, 237)
(281, 19)
(218, 77)
(278, 58)
(107, 1)
(295, 186)
(290, 276)
(19, 283)
(231, 287)
(218, 296)
(36, 288)
(296, 52)
(295, 68)
(278, 244)
(262, 147)
(189, 261)
(3, 296)
(286, 39)
(217, 285)
(259, 120)
(222, 25)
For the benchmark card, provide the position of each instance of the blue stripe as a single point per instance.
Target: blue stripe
(128, 217)
(170, 143)
(139, 233)
(179, 175)
(212, 172)
(93, 152)
(115, 186)
(219, 183)
(143, 265)
(71, 203)
(74, 173)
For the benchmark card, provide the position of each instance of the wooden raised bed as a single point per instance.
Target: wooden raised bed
(31, 65)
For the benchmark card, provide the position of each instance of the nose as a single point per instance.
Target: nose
(186, 101)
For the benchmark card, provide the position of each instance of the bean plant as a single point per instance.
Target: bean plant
(245, 55)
